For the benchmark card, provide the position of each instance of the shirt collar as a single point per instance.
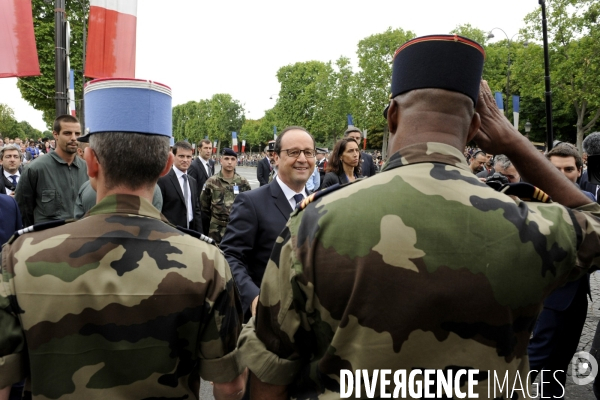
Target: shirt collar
(179, 173)
(427, 153)
(289, 193)
(76, 161)
(127, 204)
(8, 174)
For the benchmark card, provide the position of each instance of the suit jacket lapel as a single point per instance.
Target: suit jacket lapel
(175, 183)
(283, 205)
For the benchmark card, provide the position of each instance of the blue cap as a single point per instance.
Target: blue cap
(228, 152)
(128, 105)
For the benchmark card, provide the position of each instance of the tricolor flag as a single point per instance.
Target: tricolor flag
(516, 105)
(18, 54)
(111, 41)
(72, 93)
(215, 146)
(243, 146)
(350, 121)
(234, 141)
(499, 101)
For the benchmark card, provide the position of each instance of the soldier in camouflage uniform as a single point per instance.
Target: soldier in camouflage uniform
(119, 304)
(421, 266)
(218, 195)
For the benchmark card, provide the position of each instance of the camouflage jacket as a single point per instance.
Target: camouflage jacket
(216, 200)
(118, 305)
(434, 269)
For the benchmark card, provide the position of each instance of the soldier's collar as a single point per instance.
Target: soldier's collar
(126, 204)
(426, 153)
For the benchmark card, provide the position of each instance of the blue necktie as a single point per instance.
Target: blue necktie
(14, 180)
(298, 197)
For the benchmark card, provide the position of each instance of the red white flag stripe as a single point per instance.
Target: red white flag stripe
(18, 54)
(112, 39)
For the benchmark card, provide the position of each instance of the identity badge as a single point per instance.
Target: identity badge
(236, 189)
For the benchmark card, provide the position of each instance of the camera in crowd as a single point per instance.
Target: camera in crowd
(496, 181)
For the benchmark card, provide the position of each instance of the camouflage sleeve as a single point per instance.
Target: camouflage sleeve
(275, 343)
(586, 220)
(205, 200)
(219, 358)
(245, 186)
(12, 339)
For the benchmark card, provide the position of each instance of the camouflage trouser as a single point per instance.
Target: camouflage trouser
(216, 230)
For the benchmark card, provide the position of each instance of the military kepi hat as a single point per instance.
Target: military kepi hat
(449, 62)
(127, 105)
(228, 152)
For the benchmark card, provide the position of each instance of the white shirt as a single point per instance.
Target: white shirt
(180, 174)
(7, 175)
(289, 193)
(206, 166)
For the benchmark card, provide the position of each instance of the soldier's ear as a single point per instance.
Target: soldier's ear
(474, 127)
(89, 155)
(168, 165)
(392, 117)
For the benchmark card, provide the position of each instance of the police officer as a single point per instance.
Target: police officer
(119, 304)
(219, 193)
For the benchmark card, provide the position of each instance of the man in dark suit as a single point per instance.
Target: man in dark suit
(264, 168)
(367, 166)
(181, 201)
(10, 172)
(10, 218)
(258, 216)
(202, 167)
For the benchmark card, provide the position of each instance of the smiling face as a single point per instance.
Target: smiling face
(292, 171)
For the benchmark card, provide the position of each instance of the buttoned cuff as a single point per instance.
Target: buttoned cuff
(221, 370)
(266, 365)
(12, 370)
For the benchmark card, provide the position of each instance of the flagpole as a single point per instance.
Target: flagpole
(549, 132)
(60, 74)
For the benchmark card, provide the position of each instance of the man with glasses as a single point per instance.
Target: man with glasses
(258, 216)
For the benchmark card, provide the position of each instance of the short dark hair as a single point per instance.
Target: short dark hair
(135, 163)
(183, 145)
(478, 152)
(566, 150)
(63, 118)
(204, 141)
(283, 132)
(334, 164)
(352, 129)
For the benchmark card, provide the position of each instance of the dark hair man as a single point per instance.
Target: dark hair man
(384, 274)
(367, 166)
(11, 158)
(202, 167)
(478, 162)
(559, 326)
(181, 199)
(259, 215)
(219, 194)
(591, 145)
(48, 187)
(265, 167)
(120, 304)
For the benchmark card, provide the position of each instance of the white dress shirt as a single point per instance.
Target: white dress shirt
(180, 174)
(289, 193)
(7, 175)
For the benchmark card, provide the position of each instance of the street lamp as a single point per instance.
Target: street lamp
(491, 36)
(527, 129)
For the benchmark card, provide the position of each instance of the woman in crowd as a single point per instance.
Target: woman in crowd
(344, 163)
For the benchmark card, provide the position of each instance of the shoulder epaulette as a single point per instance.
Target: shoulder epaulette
(318, 194)
(38, 227)
(197, 235)
(525, 192)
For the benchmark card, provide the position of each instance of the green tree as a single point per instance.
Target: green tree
(574, 47)
(375, 55)
(39, 90)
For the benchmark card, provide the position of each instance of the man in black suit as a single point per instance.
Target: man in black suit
(202, 167)
(367, 166)
(181, 201)
(10, 172)
(264, 168)
(258, 216)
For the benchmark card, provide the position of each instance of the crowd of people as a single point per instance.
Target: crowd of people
(141, 269)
